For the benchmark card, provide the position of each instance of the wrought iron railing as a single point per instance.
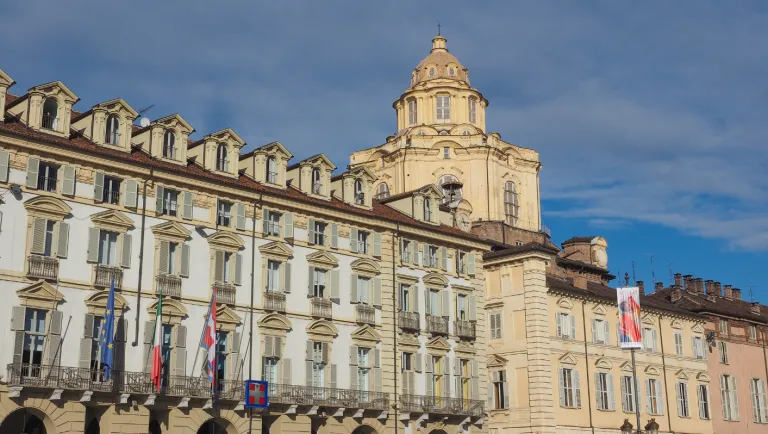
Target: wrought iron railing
(111, 196)
(62, 377)
(408, 320)
(43, 267)
(441, 405)
(464, 329)
(327, 396)
(46, 183)
(50, 122)
(225, 292)
(365, 314)
(168, 285)
(274, 300)
(437, 324)
(322, 308)
(105, 274)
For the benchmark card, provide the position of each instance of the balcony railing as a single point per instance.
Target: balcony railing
(464, 329)
(46, 183)
(105, 274)
(43, 267)
(408, 320)
(321, 308)
(225, 292)
(437, 324)
(50, 122)
(274, 300)
(168, 285)
(111, 196)
(441, 405)
(329, 397)
(365, 314)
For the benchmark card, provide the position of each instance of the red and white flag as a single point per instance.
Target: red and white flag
(208, 342)
(157, 359)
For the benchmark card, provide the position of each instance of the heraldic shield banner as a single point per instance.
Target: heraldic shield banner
(630, 335)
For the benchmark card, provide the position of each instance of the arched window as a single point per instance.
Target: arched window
(443, 133)
(473, 110)
(382, 191)
(317, 185)
(359, 196)
(432, 71)
(271, 170)
(412, 116)
(451, 188)
(113, 125)
(511, 205)
(169, 144)
(51, 113)
(222, 158)
(427, 209)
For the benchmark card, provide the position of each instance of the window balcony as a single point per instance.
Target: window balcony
(43, 267)
(464, 329)
(321, 308)
(105, 274)
(274, 301)
(437, 324)
(50, 122)
(328, 397)
(225, 292)
(441, 405)
(317, 188)
(47, 183)
(408, 320)
(168, 285)
(112, 197)
(365, 314)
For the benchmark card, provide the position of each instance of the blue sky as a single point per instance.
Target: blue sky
(651, 118)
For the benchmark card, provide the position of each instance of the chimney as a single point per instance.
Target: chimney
(688, 279)
(736, 293)
(676, 295)
(728, 292)
(678, 280)
(709, 286)
(641, 286)
(658, 286)
(718, 290)
(698, 283)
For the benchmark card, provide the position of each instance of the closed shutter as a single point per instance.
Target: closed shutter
(238, 269)
(180, 351)
(4, 157)
(62, 243)
(353, 288)
(125, 259)
(377, 373)
(93, 244)
(38, 235)
(86, 342)
(334, 378)
(413, 248)
(606, 333)
(311, 231)
(53, 354)
(264, 221)
(159, 199)
(286, 270)
(335, 286)
(288, 225)
(189, 202)
(446, 378)
(353, 367)
(269, 346)
(425, 255)
(286, 377)
(561, 386)
(377, 244)
(33, 167)
(572, 332)
(475, 379)
(184, 260)
(334, 236)
(595, 335)
(377, 292)
(162, 259)
(68, 184)
(445, 308)
(734, 398)
(428, 376)
(660, 397)
(471, 264)
(98, 187)
(233, 360)
(311, 283)
(611, 394)
(131, 193)
(218, 266)
(149, 331)
(308, 373)
(444, 258)
(121, 337)
(353, 240)
(577, 388)
(240, 216)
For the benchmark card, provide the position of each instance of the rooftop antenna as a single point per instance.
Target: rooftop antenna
(751, 295)
(653, 271)
(626, 279)
(144, 121)
(671, 274)
(633, 273)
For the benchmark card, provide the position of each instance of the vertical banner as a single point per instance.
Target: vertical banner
(630, 335)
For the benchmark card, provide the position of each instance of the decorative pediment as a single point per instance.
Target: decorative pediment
(97, 301)
(41, 294)
(362, 171)
(430, 190)
(603, 363)
(698, 328)
(681, 374)
(652, 370)
(434, 279)
(227, 135)
(464, 347)
(276, 322)
(227, 241)
(405, 278)
(565, 303)
(225, 315)
(274, 148)
(495, 361)
(676, 324)
(365, 266)
(171, 231)
(648, 319)
(113, 220)
(626, 367)
(320, 160)
(568, 359)
(366, 335)
(599, 310)
(461, 288)
(322, 328)
(56, 88)
(704, 377)
(46, 206)
(117, 105)
(172, 310)
(276, 250)
(175, 121)
(408, 339)
(439, 344)
(322, 259)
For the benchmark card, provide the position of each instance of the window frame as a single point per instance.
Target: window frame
(222, 157)
(224, 213)
(271, 170)
(443, 107)
(472, 109)
(511, 203)
(413, 116)
(49, 180)
(112, 130)
(169, 144)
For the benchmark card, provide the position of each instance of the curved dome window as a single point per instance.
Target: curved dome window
(466, 132)
(452, 71)
(451, 188)
(421, 133)
(382, 191)
(432, 72)
(443, 133)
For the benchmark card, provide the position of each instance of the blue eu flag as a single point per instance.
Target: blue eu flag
(107, 338)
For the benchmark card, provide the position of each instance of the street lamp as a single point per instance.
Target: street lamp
(626, 428)
(652, 427)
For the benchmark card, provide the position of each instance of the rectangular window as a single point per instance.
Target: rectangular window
(570, 395)
(224, 214)
(50, 227)
(446, 153)
(461, 262)
(405, 362)
(221, 357)
(273, 223)
(628, 398)
(363, 369)
(273, 276)
(165, 349)
(437, 375)
(699, 348)
(500, 392)
(319, 233)
(412, 114)
(34, 340)
(566, 325)
(432, 256)
(599, 331)
(653, 391)
(111, 192)
(461, 307)
(47, 176)
(363, 285)
(679, 343)
(269, 371)
(228, 259)
(722, 348)
(752, 333)
(405, 297)
(757, 392)
(703, 401)
(443, 107)
(649, 339)
(362, 242)
(107, 248)
(96, 372)
(495, 320)
(604, 391)
(170, 202)
(434, 303)
(682, 400)
(724, 327)
(729, 398)
(405, 251)
(318, 282)
(472, 110)
(173, 252)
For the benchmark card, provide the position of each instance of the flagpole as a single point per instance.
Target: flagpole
(202, 335)
(637, 394)
(154, 330)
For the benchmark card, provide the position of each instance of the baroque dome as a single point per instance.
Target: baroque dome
(439, 64)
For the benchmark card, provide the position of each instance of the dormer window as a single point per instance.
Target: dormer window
(317, 185)
(50, 114)
(271, 170)
(473, 110)
(452, 71)
(382, 191)
(359, 195)
(112, 136)
(427, 209)
(169, 145)
(443, 107)
(432, 72)
(451, 188)
(222, 158)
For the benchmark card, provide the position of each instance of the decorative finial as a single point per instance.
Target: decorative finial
(438, 28)
(626, 279)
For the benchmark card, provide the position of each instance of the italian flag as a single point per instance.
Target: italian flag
(157, 359)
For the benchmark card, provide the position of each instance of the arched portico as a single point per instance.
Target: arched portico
(28, 420)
